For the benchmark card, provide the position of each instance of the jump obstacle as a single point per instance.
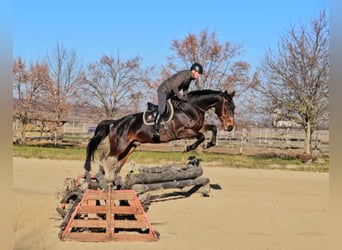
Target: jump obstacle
(94, 214)
(105, 216)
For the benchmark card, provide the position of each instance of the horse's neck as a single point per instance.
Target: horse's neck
(205, 103)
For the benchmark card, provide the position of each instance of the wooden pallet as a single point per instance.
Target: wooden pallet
(108, 216)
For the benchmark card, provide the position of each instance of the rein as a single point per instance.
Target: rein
(223, 114)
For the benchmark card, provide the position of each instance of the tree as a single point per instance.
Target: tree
(64, 71)
(28, 87)
(295, 77)
(115, 85)
(223, 68)
(20, 77)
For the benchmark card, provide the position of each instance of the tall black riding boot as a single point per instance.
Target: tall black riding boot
(156, 135)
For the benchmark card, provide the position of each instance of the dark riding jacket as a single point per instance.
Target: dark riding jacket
(177, 82)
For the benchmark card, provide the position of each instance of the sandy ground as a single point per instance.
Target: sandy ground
(253, 209)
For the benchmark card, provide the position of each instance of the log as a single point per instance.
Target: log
(145, 175)
(142, 188)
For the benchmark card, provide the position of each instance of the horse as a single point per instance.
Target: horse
(186, 122)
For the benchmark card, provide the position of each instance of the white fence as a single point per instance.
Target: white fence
(273, 138)
(246, 138)
(239, 140)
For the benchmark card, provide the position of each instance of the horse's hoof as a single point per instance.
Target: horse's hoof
(118, 182)
(101, 180)
(87, 177)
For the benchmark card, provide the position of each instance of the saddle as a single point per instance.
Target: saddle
(149, 113)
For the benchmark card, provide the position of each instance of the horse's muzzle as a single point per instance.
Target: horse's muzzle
(228, 124)
(229, 128)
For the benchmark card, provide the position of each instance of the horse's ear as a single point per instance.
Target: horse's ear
(231, 93)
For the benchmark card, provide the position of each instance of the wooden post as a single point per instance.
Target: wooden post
(243, 139)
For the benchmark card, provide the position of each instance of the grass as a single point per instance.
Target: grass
(49, 152)
(159, 158)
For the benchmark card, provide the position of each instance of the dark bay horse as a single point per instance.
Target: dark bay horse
(187, 122)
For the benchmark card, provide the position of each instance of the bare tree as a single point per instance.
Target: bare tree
(294, 78)
(64, 71)
(223, 67)
(20, 77)
(117, 86)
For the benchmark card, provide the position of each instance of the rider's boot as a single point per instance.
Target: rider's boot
(156, 135)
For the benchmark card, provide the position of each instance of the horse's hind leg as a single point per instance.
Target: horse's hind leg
(109, 165)
(112, 166)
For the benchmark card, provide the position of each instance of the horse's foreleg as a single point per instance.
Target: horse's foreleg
(213, 129)
(200, 138)
(190, 133)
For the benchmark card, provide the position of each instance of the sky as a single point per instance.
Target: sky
(147, 28)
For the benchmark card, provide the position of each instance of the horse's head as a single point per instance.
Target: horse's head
(222, 101)
(224, 109)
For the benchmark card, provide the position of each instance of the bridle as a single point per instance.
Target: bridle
(223, 113)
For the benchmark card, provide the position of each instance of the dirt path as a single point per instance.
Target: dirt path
(253, 209)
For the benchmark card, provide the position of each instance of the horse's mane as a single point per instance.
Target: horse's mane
(203, 92)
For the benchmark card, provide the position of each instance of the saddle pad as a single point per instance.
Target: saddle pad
(148, 115)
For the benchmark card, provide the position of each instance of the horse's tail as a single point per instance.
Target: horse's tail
(101, 132)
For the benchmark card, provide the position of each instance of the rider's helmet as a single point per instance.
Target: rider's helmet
(197, 67)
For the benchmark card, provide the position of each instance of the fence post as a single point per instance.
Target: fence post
(288, 138)
(317, 144)
(266, 136)
(243, 139)
(270, 141)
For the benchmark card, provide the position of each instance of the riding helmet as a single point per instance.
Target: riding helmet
(197, 67)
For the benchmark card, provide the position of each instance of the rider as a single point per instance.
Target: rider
(171, 87)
